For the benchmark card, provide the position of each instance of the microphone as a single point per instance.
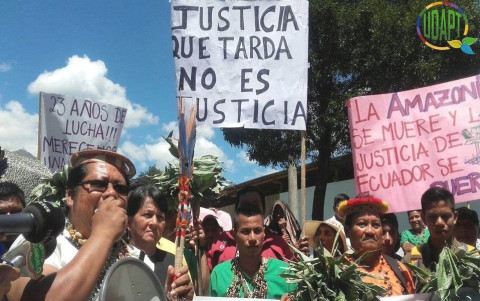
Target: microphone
(29, 258)
(38, 222)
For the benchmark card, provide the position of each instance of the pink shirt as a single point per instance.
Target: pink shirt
(225, 248)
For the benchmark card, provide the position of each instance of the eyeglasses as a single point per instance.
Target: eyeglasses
(101, 186)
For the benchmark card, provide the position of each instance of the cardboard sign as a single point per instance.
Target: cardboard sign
(403, 143)
(70, 124)
(244, 63)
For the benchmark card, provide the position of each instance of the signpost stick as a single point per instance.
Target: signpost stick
(302, 177)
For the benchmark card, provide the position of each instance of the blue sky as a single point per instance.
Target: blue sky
(112, 51)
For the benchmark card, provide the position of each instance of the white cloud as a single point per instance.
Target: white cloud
(204, 147)
(18, 128)
(205, 131)
(135, 153)
(242, 155)
(5, 67)
(260, 173)
(169, 127)
(157, 151)
(82, 77)
(202, 130)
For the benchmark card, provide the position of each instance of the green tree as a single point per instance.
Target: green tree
(357, 48)
(146, 177)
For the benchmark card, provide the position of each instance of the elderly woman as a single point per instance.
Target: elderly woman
(146, 209)
(281, 221)
(324, 234)
(363, 225)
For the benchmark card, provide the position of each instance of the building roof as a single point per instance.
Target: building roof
(341, 168)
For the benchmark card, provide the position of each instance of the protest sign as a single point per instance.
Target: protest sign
(244, 63)
(69, 124)
(405, 142)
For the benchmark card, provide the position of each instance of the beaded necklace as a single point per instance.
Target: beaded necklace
(259, 283)
(384, 272)
(119, 250)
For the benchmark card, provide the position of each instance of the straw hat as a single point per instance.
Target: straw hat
(311, 228)
(100, 155)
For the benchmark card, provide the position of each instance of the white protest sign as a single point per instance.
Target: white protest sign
(244, 63)
(69, 124)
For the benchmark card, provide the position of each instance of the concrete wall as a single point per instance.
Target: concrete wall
(334, 188)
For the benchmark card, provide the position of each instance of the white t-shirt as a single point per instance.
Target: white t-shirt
(64, 252)
(135, 253)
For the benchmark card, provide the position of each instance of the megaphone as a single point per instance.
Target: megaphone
(131, 279)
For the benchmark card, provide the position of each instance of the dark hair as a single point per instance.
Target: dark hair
(77, 174)
(137, 197)
(246, 190)
(247, 210)
(349, 219)
(391, 219)
(465, 213)
(340, 198)
(410, 211)
(436, 194)
(9, 190)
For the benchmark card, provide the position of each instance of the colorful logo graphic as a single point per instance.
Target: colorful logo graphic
(443, 25)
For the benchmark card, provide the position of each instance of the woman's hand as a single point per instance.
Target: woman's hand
(7, 275)
(197, 235)
(302, 245)
(407, 247)
(181, 288)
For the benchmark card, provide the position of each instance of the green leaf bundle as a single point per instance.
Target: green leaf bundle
(455, 269)
(330, 278)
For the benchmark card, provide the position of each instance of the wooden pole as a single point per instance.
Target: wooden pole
(303, 181)
(293, 190)
(198, 253)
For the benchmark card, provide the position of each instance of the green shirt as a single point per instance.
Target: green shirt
(222, 276)
(414, 239)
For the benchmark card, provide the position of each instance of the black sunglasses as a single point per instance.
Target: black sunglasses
(101, 186)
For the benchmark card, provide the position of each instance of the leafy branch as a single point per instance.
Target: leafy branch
(330, 278)
(455, 270)
(207, 181)
(52, 189)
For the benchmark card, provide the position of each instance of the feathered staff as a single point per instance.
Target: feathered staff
(186, 143)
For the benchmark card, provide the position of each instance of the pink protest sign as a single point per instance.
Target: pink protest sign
(405, 142)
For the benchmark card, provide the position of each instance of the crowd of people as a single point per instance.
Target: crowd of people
(241, 256)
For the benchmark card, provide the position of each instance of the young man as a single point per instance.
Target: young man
(438, 214)
(391, 237)
(225, 248)
(337, 219)
(12, 200)
(249, 275)
(466, 228)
